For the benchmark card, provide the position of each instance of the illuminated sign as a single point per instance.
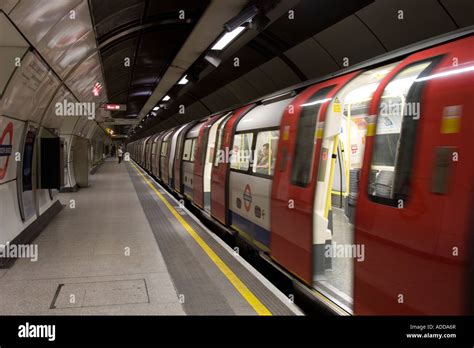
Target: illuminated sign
(96, 89)
(115, 107)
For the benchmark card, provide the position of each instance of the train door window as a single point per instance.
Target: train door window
(188, 144)
(204, 140)
(305, 139)
(265, 152)
(164, 148)
(395, 135)
(193, 149)
(220, 135)
(241, 151)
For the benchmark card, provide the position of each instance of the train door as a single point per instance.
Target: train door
(158, 159)
(210, 155)
(154, 169)
(188, 159)
(345, 127)
(177, 175)
(293, 181)
(166, 174)
(200, 193)
(148, 153)
(172, 154)
(415, 193)
(164, 153)
(220, 170)
(143, 152)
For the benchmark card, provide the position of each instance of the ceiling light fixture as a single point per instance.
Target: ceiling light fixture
(166, 98)
(245, 16)
(156, 108)
(227, 38)
(184, 80)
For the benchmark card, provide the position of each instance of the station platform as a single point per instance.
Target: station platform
(124, 246)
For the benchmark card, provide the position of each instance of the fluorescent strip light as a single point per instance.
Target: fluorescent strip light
(227, 38)
(446, 73)
(156, 108)
(166, 98)
(183, 81)
(318, 102)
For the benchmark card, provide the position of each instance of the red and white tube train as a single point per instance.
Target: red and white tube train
(360, 184)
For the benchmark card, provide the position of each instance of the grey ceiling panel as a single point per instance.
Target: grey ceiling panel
(279, 73)
(461, 10)
(214, 101)
(260, 81)
(312, 59)
(243, 90)
(171, 122)
(350, 39)
(422, 19)
(192, 112)
(227, 97)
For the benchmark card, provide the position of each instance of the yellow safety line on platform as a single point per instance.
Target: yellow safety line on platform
(253, 301)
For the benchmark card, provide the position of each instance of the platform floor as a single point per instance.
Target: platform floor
(117, 247)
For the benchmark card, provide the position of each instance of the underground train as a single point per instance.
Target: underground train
(359, 185)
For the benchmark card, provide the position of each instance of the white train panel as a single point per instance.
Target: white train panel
(264, 116)
(249, 204)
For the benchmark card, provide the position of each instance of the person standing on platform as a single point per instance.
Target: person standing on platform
(120, 154)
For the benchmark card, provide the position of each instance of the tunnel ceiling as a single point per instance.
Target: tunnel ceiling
(322, 34)
(137, 40)
(265, 47)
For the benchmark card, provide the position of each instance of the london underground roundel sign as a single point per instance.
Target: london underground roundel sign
(6, 142)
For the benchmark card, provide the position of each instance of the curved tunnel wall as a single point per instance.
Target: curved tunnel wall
(58, 62)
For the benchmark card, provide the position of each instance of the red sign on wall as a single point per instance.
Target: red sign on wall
(354, 148)
(6, 148)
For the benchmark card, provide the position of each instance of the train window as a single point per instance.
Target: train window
(193, 149)
(204, 140)
(395, 135)
(187, 149)
(265, 152)
(164, 148)
(305, 139)
(241, 151)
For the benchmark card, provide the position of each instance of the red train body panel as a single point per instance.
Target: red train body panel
(200, 161)
(220, 172)
(411, 249)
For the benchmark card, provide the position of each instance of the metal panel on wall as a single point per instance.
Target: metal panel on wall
(30, 90)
